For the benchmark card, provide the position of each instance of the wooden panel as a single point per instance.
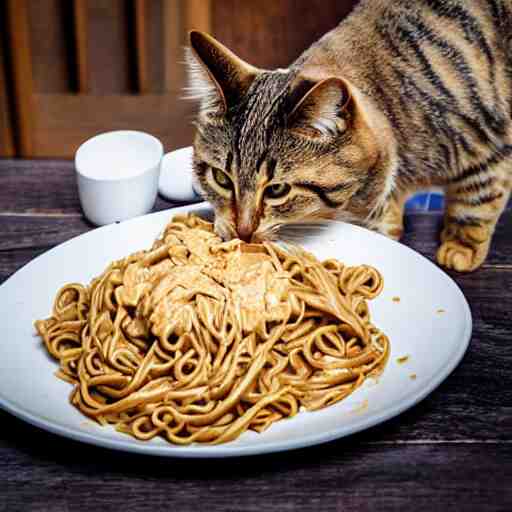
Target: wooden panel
(19, 44)
(48, 187)
(143, 86)
(277, 31)
(50, 29)
(41, 471)
(174, 39)
(109, 47)
(155, 45)
(81, 38)
(198, 15)
(65, 121)
(6, 128)
(181, 16)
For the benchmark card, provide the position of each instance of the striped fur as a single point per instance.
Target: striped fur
(401, 95)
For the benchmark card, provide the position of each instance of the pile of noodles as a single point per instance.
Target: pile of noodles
(199, 340)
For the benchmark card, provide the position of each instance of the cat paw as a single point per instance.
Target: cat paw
(395, 233)
(392, 230)
(391, 223)
(464, 248)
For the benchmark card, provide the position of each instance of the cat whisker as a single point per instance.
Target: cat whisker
(298, 232)
(305, 227)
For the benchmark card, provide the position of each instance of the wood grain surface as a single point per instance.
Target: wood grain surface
(6, 119)
(269, 36)
(19, 44)
(451, 451)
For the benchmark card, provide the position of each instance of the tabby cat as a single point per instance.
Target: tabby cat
(400, 96)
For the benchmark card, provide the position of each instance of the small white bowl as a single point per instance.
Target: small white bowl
(117, 175)
(176, 178)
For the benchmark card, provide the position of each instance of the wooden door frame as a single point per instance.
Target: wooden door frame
(7, 142)
(7, 148)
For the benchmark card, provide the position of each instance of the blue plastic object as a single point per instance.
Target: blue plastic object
(425, 202)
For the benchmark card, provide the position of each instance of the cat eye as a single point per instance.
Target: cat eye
(222, 179)
(277, 191)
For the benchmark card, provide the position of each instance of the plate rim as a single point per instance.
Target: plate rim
(227, 450)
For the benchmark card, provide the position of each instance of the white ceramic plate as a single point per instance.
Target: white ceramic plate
(434, 341)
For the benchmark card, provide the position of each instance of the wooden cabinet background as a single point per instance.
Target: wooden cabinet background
(72, 68)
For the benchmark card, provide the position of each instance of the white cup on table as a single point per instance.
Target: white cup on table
(117, 175)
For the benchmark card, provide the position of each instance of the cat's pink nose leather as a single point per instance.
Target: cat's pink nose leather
(245, 232)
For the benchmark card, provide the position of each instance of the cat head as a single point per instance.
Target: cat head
(274, 148)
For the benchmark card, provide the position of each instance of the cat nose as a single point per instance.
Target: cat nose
(245, 232)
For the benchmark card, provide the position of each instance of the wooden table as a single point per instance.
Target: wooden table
(451, 451)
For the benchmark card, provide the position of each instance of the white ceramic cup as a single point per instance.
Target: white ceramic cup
(117, 175)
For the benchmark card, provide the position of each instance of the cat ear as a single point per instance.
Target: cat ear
(322, 110)
(217, 77)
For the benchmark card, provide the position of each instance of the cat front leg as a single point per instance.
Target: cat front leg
(473, 208)
(391, 223)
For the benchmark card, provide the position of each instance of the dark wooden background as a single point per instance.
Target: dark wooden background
(72, 68)
(453, 451)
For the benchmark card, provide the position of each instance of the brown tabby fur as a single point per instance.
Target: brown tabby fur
(400, 96)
